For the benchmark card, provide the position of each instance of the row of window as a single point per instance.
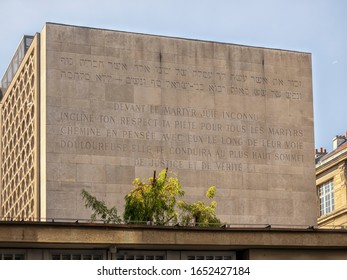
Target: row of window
(135, 255)
(12, 256)
(138, 257)
(77, 257)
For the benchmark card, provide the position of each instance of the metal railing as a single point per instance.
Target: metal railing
(15, 62)
(177, 224)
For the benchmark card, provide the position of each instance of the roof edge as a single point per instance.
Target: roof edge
(181, 38)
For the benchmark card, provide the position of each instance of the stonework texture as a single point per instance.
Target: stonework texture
(335, 171)
(117, 105)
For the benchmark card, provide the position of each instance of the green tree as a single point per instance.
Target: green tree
(198, 213)
(100, 209)
(153, 200)
(156, 200)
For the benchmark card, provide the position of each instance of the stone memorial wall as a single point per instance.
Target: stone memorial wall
(120, 105)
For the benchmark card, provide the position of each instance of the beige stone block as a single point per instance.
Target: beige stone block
(110, 160)
(52, 45)
(54, 186)
(60, 33)
(255, 181)
(75, 103)
(117, 93)
(53, 116)
(68, 158)
(61, 200)
(53, 129)
(68, 173)
(53, 171)
(53, 145)
(100, 107)
(76, 48)
(119, 174)
(54, 101)
(126, 161)
(66, 60)
(90, 173)
(90, 37)
(61, 172)
(147, 96)
(54, 157)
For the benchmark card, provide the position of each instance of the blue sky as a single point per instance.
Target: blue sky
(315, 26)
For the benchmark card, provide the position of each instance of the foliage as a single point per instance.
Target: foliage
(100, 209)
(153, 200)
(156, 200)
(198, 213)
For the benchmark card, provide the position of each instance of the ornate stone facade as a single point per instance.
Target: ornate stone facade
(19, 142)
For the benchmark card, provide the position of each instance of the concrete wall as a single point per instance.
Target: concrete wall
(295, 254)
(41, 240)
(120, 105)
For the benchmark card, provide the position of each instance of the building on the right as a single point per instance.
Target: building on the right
(331, 184)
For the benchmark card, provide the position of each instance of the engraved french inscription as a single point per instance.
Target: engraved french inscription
(217, 114)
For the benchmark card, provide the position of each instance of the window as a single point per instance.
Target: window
(77, 255)
(140, 255)
(10, 256)
(208, 255)
(326, 197)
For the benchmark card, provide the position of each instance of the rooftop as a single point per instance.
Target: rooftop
(340, 147)
(71, 235)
